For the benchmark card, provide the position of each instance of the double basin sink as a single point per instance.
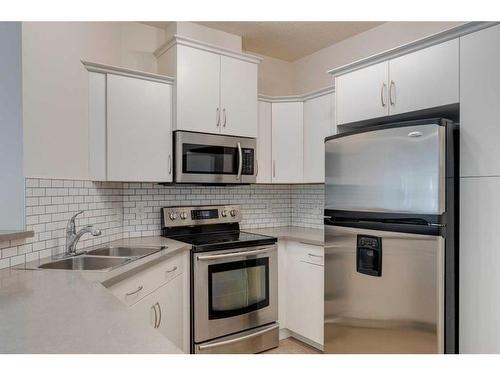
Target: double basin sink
(102, 259)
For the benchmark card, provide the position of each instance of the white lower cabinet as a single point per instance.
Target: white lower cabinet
(162, 309)
(159, 295)
(300, 287)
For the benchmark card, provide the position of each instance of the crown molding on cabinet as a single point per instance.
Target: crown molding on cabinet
(297, 98)
(416, 45)
(185, 41)
(103, 68)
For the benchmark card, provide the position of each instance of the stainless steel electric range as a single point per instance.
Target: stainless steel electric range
(234, 279)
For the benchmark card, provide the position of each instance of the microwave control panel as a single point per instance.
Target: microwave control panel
(248, 161)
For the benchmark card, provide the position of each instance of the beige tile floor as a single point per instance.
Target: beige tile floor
(292, 346)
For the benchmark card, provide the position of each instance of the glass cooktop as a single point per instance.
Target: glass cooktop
(224, 240)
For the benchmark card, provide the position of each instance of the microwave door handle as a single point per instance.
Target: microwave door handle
(240, 161)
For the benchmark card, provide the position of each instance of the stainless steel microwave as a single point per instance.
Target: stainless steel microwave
(214, 159)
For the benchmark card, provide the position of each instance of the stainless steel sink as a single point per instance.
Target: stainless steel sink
(122, 251)
(86, 263)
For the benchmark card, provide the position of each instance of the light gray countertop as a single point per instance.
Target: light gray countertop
(311, 236)
(55, 311)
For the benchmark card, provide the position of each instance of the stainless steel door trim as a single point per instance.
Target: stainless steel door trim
(240, 161)
(205, 329)
(237, 339)
(181, 137)
(237, 254)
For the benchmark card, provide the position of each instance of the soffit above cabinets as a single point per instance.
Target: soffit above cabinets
(290, 40)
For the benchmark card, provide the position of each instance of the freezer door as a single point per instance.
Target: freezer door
(384, 292)
(394, 169)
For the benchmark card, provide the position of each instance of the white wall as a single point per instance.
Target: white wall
(276, 77)
(310, 72)
(11, 130)
(55, 86)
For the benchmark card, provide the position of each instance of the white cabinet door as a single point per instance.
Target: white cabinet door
(480, 103)
(197, 90)
(424, 79)
(238, 95)
(304, 301)
(317, 126)
(163, 310)
(264, 144)
(362, 94)
(479, 259)
(287, 138)
(139, 130)
(97, 126)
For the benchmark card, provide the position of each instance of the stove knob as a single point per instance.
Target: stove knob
(233, 213)
(224, 213)
(184, 215)
(172, 215)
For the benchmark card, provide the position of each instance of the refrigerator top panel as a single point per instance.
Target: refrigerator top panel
(390, 169)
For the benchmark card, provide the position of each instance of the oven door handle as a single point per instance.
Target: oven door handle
(240, 161)
(235, 254)
(238, 339)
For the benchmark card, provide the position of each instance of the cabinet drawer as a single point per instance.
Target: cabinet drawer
(308, 253)
(140, 285)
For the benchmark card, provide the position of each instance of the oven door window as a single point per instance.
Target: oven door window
(205, 159)
(237, 288)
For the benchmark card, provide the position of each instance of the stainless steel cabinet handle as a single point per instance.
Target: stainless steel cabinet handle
(256, 167)
(383, 93)
(159, 318)
(225, 117)
(392, 88)
(315, 256)
(236, 254)
(169, 164)
(172, 270)
(156, 316)
(240, 161)
(135, 291)
(274, 168)
(218, 117)
(237, 339)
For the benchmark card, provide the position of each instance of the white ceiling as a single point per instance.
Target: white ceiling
(290, 40)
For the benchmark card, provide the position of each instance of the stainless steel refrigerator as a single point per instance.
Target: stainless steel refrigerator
(391, 248)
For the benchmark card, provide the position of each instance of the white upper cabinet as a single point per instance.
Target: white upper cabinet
(139, 125)
(287, 138)
(264, 144)
(216, 90)
(130, 125)
(419, 80)
(197, 90)
(238, 97)
(480, 103)
(362, 94)
(424, 79)
(317, 126)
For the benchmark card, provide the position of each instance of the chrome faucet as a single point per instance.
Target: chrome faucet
(72, 237)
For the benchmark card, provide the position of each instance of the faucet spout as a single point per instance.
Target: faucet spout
(72, 237)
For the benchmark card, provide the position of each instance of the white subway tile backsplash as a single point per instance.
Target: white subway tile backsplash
(125, 210)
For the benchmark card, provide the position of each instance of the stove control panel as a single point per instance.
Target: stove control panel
(200, 215)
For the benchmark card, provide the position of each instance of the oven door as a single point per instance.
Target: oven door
(214, 159)
(234, 290)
